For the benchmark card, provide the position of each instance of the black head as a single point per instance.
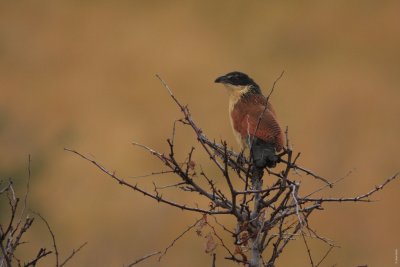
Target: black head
(236, 78)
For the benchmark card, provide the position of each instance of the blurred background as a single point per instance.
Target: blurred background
(81, 74)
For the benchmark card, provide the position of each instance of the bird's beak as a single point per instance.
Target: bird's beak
(221, 79)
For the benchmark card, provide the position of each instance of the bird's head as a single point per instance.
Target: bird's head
(238, 82)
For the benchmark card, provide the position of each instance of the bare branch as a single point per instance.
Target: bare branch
(308, 249)
(150, 174)
(5, 254)
(41, 254)
(324, 257)
(214, 260)
(308, 172)
(329, 185)
(144, 258)
(74, 252)
(136, 188)
(53, 237)
(12, 234)
(27, 185)
(273, 85)
(361, 198)
(177, 238)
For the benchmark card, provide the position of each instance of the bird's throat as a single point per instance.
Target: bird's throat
(235, 94)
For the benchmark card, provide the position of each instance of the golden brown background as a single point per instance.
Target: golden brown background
(80, 74)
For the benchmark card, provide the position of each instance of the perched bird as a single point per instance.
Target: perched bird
(253, 119)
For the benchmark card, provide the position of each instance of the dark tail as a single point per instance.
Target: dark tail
(263, 154)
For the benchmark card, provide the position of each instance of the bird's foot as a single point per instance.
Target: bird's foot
(272, 160)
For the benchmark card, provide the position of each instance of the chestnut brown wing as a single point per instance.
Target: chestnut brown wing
(246, 115)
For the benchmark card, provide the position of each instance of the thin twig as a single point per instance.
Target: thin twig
(27, 185)
(308, 172)
(74, 252)
(41, 254)
(273, 85)
(144, 258)
(53, 237)
(360, 198)
(4, 252)
(214, 260)
(150, 174)
(136, 188)
(308, 249)
(332, 183)
(177, 238)
(324, 257)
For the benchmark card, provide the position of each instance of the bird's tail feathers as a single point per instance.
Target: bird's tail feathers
(263, 154)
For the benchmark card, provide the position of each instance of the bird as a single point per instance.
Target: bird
(253, 120)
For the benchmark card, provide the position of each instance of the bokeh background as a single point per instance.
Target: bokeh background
(80, 74)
